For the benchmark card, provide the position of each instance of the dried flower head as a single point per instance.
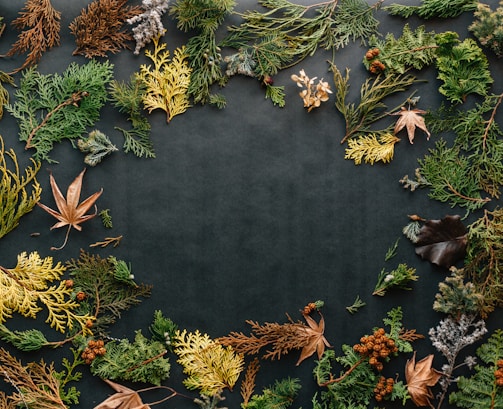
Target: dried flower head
(313, 94)
(149, 24)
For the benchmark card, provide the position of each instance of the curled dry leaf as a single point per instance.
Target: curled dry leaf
(71, 213)
(420, 376)
(442, 242)
(410, 119)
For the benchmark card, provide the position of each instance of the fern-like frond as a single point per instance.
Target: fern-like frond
(372, 148)
(209, 365)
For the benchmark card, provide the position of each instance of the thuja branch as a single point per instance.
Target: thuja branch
(491, 120)
(73, 100)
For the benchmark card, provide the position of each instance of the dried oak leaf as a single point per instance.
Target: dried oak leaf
(420, 376)
(125, 398)
(317, 341)
(442, 242)
(70, 213)
(410, 119)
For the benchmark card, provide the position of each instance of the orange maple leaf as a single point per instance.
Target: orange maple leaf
(71, 213)
(410, 119)
(315, 334)
(126, 398)
(419, 377)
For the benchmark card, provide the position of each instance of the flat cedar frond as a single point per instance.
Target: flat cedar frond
(483, 388)
(414, 48)
(281, 337)
(167, 83)
(99, 29)
(36, 384)
(433, 8)
(16, 197)
(53, 107)
(210, 365)
(106, 295)
(372, 148)
(248, 383)
(41, 24)
(22, 289)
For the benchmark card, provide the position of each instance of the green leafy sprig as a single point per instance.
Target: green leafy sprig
(140, 361)
(202, 49)
(128, 98)
(433, 8)
(487, 27)
(397, 278)
(280, 395)
(371, 107)
(53, 107)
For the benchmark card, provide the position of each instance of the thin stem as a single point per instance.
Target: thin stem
(66, 239)
(73, 100)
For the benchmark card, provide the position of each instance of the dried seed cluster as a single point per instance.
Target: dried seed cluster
(384, 387)
(309, 308)
(377, 347)
(92, 350)
(376, 66)
(498, 373)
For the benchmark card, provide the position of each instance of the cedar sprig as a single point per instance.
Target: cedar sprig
(280, 395)
(483, 261)
(97, 146)
(357, 304)
(36, 384)
(433, 8)
(99, 29)
(28, 284)
(53, 107)
(483, 389)
(41, 25)
(487, 27)
(462, 67)
(127, 97)
(469, 173)
(143, 360)
(248, 383)
(371, 108)
(398, 278)
(103, 294)
(204, 18)
(372, 148)
(19, 192)
(280, 338)
(413, 49)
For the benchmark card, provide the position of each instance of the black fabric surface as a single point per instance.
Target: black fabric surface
(249, 212)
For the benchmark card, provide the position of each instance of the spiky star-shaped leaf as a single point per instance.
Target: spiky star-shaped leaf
(317, 340)
(71, 213)
(410, 119)
(420, 376)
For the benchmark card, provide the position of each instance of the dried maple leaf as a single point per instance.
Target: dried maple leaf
(70, 213)
(419, 377)
(125, 398)
(410, 119)
(442, 242)
(317, 341)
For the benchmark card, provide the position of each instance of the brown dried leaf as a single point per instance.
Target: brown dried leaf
(420, 376)
(442, 242)
(125, 398)
(317, 341)
(410, 119)
(71, 213)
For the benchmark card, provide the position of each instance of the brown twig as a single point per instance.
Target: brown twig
(73, 100)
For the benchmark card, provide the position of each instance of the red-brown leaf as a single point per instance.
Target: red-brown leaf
(125, 398)
(442, 242)
(419, 377)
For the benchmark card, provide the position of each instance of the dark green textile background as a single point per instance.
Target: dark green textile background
(249, 212)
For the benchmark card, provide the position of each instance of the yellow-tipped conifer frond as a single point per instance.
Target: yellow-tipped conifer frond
(15, 198)
(25, 288)
(166, 84)
(372, 148)
(209, 365)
